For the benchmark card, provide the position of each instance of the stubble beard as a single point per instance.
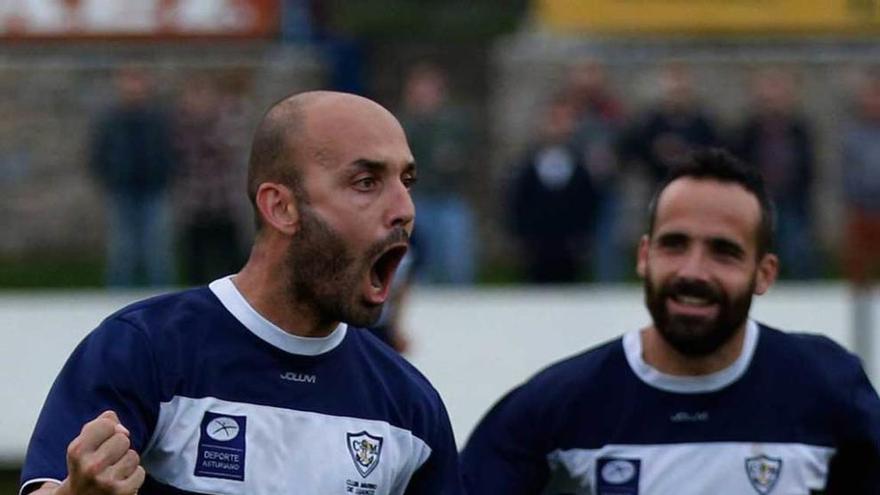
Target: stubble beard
(325, 277)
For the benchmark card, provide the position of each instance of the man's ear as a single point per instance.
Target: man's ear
(277, 206)
(768, 269)
(642, 262)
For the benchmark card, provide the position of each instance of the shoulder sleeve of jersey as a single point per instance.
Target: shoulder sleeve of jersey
(113, 368)
(838, 367)
(856, 466)
(508, 450)
(439, 474)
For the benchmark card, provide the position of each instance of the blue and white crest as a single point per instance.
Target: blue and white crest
(365, 450)
(763, 472)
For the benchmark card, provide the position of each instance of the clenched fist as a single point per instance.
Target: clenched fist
(100, 461)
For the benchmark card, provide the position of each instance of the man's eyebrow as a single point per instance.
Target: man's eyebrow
(727, 244)
(377, 166)
(366, 164)
(673, 235)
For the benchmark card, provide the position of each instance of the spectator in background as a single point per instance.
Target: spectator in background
(208, 186)
(861, 176)
(599, 120)
(552, 200)
(676, 125)
(778, 140)
(132, 160)
(439, 136)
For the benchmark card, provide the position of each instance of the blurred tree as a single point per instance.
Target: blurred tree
(425, 20)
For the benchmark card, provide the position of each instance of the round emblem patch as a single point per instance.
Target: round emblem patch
(618, 471)
(222, 429)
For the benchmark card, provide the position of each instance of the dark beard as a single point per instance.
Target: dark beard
(326, 276)
(695, 336)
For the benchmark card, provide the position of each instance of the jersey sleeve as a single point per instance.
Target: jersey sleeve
(439, 475)
(111, 369)
(856, 466)
(506, 453)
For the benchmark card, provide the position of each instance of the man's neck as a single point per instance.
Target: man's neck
(267, 293)
(660, 355)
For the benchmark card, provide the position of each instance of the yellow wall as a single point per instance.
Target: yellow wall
(711, 16)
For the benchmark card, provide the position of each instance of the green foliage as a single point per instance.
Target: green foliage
(427, 20)
(9, 480)
(499, 272)
(51, 271)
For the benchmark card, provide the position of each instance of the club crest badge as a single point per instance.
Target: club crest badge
(365, 450)
(763, 472)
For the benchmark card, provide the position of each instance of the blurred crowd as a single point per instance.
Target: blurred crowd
(172, 176)
(172, 179)
(565, 197)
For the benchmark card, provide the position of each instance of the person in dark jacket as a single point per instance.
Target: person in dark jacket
(676, 125)
(552, 200)
(132, 161)
(600, 121)
(778, 140)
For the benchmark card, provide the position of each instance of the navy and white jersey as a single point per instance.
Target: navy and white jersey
(795, 414)
(219, 400)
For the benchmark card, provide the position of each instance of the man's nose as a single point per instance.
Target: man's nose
(401, 211)
(694, 265)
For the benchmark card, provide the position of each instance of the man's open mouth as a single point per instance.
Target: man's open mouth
(382, 272)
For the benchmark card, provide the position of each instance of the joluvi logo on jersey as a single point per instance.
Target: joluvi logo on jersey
(763, 472)
(365, 450)
(221, 446)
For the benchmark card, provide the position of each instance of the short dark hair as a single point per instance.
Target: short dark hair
(720, 165)
(274, 151)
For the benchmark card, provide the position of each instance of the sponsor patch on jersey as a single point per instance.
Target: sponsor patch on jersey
(763, 472)
(365, 450)
(221, 447)
(617, 476)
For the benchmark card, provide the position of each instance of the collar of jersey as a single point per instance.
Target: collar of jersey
(632, 347)
(236, 304)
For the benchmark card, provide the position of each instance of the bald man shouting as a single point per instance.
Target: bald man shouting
(260, 383)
